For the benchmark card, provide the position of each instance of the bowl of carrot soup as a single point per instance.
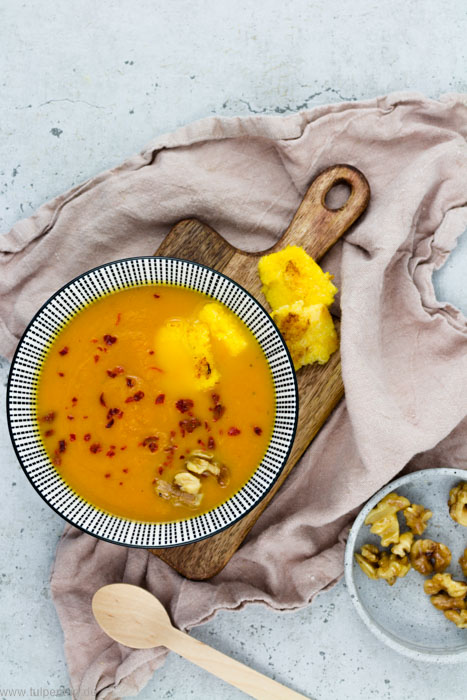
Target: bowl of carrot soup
(152, 402)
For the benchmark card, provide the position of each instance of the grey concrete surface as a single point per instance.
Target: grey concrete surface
(83, 85)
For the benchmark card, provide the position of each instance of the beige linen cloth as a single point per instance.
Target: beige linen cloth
(404, 354)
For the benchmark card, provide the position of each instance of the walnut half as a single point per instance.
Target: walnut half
(427, 556)
(416, 517)
(404, 545)
(202, 462)
(443, 601)
(458, 617)
(463, 562)
(445, 582)
(451, 602)
(383, 518)
(381, 565)
(458, 503)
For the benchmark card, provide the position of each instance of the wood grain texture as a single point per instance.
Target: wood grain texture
(316, 228)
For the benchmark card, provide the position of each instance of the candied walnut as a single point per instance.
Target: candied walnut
(416, 517)
(202, 466)
(383, 518)
(169, 492)
(459, 618)
(458, 503)
(445, 582)
(389, 505)
(427, 556)
(392, 567)
(443, 601)
(202, 462)
(463, 562)
(202, 454)
(387, 529)
(223, 478)
(187, 482)
(404, 545)
(368, 560)
(382, 565)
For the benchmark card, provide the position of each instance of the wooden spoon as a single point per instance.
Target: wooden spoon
(134, 617)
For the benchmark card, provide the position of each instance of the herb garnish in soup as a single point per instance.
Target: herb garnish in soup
(155, 403)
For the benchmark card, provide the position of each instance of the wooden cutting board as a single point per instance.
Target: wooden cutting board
(316, 228)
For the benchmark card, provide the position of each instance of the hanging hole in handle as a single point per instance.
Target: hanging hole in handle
(338, 195)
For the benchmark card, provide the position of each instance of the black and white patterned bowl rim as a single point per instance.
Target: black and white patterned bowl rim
(23, 381)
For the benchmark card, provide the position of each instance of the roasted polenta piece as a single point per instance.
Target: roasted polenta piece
(187, 345)
(291, 275)
(223, 327)
(308, 331)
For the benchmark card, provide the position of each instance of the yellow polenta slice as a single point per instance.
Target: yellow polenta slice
(291, 275)
(187, 345)
(308, 331)
(224, 327)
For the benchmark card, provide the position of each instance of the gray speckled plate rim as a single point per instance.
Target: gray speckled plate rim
(385, 637)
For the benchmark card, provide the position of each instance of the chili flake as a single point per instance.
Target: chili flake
(74, 400)
(87, 437)
(49, 417)
(61, 374)
(119, 316)
(257, 430)
(218, 411)
(61, 445)
(184, 405)
(151, 352)
(110, 423)
(151, 443)
(95, 447)
(158, 369)
(107, 476)
(211, 443)
(130, 381)
(49, 433)
(233, 431)
(110, 453)
(102, 400)
(136, 397)
(114, 412)
(116, 370)
(156, 296)
(63, 351)
(72, 437)
(70, 417)
(109, 339)
(160, 470)
(96, 358)
(160, 399)
(125, 471)
(188, 425)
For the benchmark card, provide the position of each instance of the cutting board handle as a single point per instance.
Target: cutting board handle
(315, 226)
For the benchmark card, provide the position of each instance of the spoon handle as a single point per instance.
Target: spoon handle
(251, 682)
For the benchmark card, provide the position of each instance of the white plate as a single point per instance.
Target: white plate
(402, 615)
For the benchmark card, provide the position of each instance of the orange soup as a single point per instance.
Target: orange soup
(155, 403)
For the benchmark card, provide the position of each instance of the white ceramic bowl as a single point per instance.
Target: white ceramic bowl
(23, 381)
(402, 615)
